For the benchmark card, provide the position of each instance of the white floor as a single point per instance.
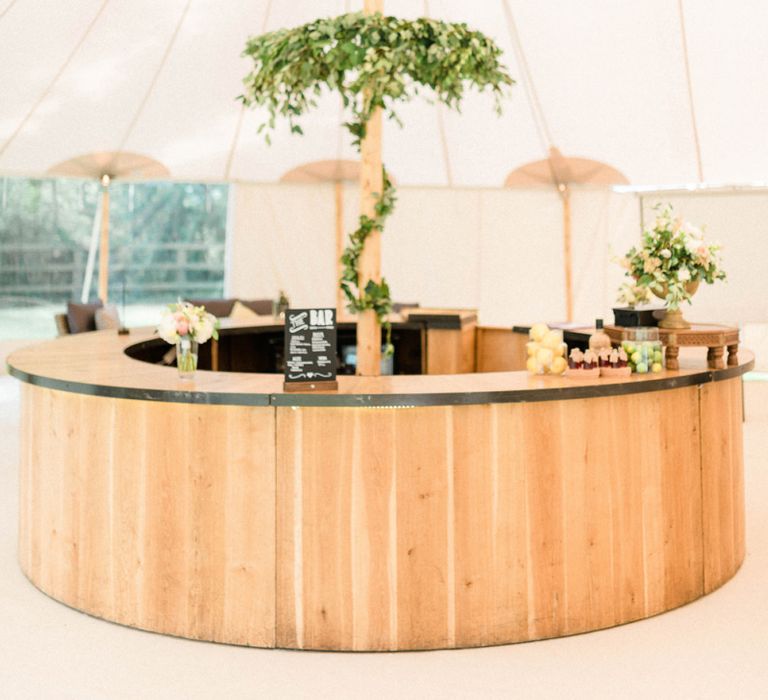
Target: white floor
(716, 647)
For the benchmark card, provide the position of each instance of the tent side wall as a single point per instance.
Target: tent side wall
(497, 250)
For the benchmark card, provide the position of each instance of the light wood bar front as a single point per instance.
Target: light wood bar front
(480, 509)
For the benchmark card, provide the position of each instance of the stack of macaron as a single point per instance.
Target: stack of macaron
(546, 350)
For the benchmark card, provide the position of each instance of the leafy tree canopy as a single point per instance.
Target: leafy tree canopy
(371, 61)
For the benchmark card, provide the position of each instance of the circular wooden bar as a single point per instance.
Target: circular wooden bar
(403, 512)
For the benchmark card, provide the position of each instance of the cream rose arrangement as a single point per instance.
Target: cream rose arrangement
(673, 255)
(185, 321)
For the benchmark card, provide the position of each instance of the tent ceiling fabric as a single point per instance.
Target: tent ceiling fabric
(559, 170)
(324, 171)
(610, 78)
(116, 165)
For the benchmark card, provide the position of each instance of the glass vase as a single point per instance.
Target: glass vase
(186, 358)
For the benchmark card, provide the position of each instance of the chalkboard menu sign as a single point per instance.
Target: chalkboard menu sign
(310, 350)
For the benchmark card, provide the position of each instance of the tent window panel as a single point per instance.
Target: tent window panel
(167, 240)
(44, 231)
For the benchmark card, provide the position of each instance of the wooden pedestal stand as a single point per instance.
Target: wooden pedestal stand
(713, 337)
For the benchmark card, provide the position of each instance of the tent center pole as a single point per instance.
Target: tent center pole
(104, 242)
(371, 187)
(565, 195)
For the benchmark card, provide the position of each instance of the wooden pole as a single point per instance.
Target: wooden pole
(104, 242)
(371, 185)
(341, 306)
(565, 194)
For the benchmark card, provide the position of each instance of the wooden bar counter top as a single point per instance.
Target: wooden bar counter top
(400, 512)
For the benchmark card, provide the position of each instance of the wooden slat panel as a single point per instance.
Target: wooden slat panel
(326, 524)
(355, 490)
(164, 598)
(451, 351)
(206, 525)
(249, 522)
(425, 609)
(87, 499)
(722, 481)
(129, 486)
(475, 521)
(26, 480)
(153, 515)
(614, 510)
(58, 489)
(374, 527)
(500, 350)
(509, 525)
(616, 495)
(544, 520)
(469, 348)
(573, 443)
(681, 496)
(336, 548)
(516, 521)
(289, 617)
(397, 528)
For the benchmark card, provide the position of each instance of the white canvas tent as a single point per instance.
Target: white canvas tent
(599, 79)
(667, 92)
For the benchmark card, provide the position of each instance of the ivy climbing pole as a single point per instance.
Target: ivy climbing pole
(373, 62)
(369, 267)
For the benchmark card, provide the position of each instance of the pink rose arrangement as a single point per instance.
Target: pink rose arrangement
(185, 321)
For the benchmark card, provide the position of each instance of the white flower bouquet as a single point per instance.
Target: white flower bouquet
(671, 261)
(186, 326)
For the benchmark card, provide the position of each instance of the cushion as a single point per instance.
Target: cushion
(217, 307)
(62, 325)
(263, 307)
(240, 312)
(82, 317)
(107, 318)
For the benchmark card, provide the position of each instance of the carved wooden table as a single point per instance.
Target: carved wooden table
(713, 337)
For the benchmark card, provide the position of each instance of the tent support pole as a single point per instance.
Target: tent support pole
(338, 193)
(371, 185)
(88, 279)
(565, 194)
(104, 242)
